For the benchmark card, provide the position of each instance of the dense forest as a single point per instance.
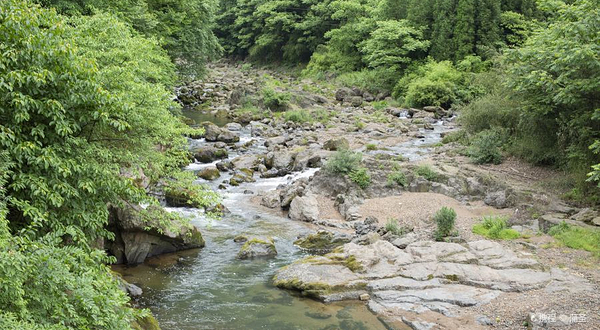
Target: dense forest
(86, 99)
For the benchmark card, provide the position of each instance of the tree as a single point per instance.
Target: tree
(393, 45)
(556, 71)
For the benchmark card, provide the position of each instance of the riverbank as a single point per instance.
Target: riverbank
(268, 165)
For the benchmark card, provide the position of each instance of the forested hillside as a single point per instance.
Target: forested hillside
(522, 74)
(89, 119)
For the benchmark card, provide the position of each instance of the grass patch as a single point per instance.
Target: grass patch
(371, 147)
(392, 226)
(427, 172)
(297, 116)
(577, 237)
(495, 227)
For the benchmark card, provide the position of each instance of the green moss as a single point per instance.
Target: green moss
(321, 241)
(147, 322)
(453, 277)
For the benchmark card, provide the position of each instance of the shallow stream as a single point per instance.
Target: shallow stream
(211, 289)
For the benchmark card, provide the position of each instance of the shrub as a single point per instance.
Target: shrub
(394, 227)
(433, 83)
(297, 116)
(343, 162)
(444, 218)
(427, 172)
(275, 100)
(486, 147)
(577, 237)
(397, 178)
(496, 228)
(359, 124)
(374, 81)
(361, 177)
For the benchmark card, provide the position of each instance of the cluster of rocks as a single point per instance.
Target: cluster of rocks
(426, 284)
(356, 96)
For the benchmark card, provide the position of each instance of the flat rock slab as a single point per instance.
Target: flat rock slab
(423, 280)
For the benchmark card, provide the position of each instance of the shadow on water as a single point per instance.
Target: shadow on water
(199, 117)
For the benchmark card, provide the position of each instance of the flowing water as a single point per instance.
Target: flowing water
(211, 289)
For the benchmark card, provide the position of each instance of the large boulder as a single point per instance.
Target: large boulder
(257, 248)
(209, 173)
(336, 144)
(214, 133)
(281, 160)
(209, 154)
(140, 234)
(304, 208)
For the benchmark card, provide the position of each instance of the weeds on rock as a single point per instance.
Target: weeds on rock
(297, 116)
(397, 178)
(361, 177)
(392, 226)
(444, 218)
(276, 101)
(427, 172)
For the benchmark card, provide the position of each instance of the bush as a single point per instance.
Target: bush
(427, 172)
(371, 146)
(274, 100)
(496, 228)
(392, 226)
(373, 81)
(486, 147)
(397, 178)
(297, 116)
(343, 162)
(577, 237)
(361, 177)
(444, 218)
(433, 83)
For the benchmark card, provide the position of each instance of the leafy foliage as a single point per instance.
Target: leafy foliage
(183, 27)
(397, 178)
(84, 111)
(361, 177)
(486, 147)
(427, 172)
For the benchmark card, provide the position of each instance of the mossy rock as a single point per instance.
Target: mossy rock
(321, 241)
(257, 248)
(179, 197)
(209, 173)
(194, 237)
(145, 323)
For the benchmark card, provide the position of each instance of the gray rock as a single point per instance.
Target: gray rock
(483, 320)
(304, 208)
(209, 154)
(343, 93)
(254, 248)
(234, 127)
(497, 199)
(271, 199)
(355, 101)
(405, 240)
(336, 144)
(138, 237)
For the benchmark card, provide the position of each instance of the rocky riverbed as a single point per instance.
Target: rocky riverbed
(326, 238)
